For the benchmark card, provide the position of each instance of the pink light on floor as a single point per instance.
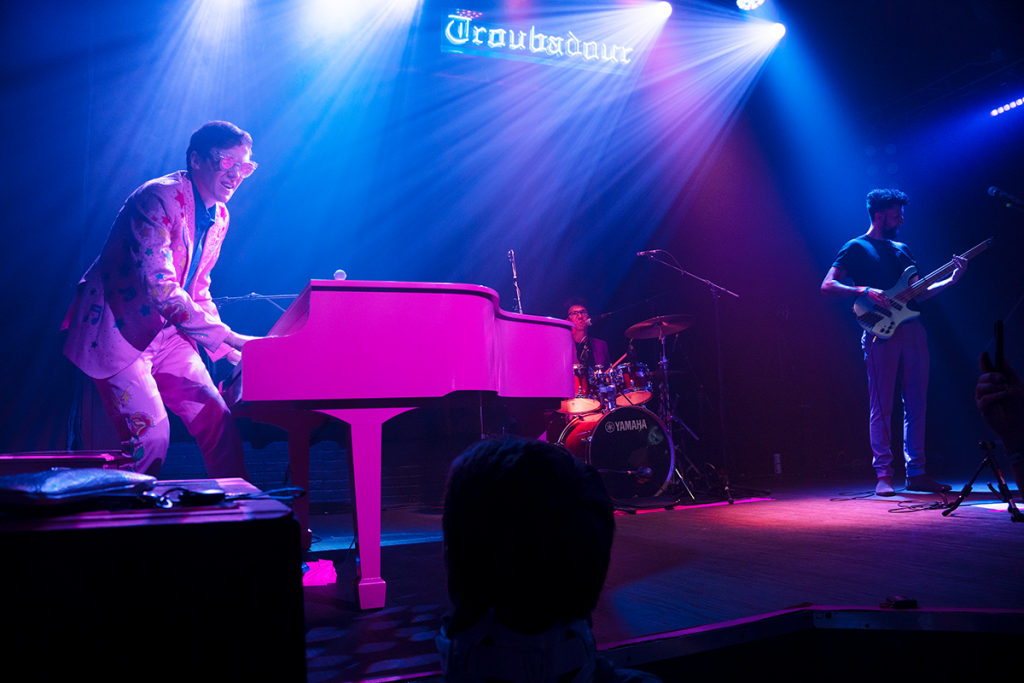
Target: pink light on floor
(321, 573)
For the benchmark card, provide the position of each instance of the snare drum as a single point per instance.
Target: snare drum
(635, 387)
(630, 447)
(585, 400)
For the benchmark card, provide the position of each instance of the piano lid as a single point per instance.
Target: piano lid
(392, 340)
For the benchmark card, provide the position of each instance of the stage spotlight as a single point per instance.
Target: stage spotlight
(766, 33)
(1012, 104)
(330, 17)
(749, 4)
(663, 10)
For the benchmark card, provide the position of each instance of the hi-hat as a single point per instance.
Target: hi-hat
(662, 326)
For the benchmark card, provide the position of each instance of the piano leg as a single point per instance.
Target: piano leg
(364, 461)
(299, 424)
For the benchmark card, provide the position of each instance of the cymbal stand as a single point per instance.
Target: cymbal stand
(665, 411)
(716, 292)
(668, 416)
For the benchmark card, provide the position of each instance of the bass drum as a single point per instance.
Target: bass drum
(631, 449)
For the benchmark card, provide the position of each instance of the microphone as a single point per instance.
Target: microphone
(648, 253)
(1010, 199)
(588, 322)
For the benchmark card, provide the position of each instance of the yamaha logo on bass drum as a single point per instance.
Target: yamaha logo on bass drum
(625, 426)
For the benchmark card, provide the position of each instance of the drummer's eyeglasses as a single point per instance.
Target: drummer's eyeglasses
(578, 314)
(227, 162)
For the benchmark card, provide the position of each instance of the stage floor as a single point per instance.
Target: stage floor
(808, 541)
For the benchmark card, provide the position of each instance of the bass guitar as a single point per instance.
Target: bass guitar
(881, 321)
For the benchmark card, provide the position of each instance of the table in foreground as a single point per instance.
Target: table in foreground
(191, 594)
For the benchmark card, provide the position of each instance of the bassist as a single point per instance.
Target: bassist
(864, 267)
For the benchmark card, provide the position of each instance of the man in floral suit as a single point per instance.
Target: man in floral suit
(144, 306)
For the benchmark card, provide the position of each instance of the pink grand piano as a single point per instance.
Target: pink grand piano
(336, 352)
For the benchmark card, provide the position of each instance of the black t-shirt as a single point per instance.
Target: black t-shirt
(874, 263)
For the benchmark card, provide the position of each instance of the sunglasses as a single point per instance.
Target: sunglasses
(227, 162)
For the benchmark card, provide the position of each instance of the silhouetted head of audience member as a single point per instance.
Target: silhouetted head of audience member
(527, 531)
(527, 540)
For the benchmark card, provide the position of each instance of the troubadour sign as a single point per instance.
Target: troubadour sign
(464, 33)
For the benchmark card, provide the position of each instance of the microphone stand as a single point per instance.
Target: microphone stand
(515, 281)
(1007, 199)
(716, 292)
(255, 297)
(1003, 493)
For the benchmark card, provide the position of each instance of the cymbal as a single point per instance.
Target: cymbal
(662, 326)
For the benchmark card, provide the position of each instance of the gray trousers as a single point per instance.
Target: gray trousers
(903, 356)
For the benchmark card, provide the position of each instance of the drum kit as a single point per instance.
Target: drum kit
(611, 429)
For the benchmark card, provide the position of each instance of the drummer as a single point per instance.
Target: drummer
(589, 351)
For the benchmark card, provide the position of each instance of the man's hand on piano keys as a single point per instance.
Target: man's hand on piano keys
(237, 341)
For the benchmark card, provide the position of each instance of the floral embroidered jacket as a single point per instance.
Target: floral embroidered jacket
(135, 288)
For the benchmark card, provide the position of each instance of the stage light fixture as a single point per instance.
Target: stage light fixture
(766, 33)
(1012, 104)
(748, 5)
(663, 9)
(334, 18)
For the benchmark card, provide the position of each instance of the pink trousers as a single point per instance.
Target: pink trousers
(170, 372)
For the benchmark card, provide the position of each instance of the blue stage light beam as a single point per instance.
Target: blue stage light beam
(561, 163)
(329, 80)
(814, 131)
(369, 137)
(706, 64)
(333, 18)
(161, 81)
(314, 94)
(518, 143)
